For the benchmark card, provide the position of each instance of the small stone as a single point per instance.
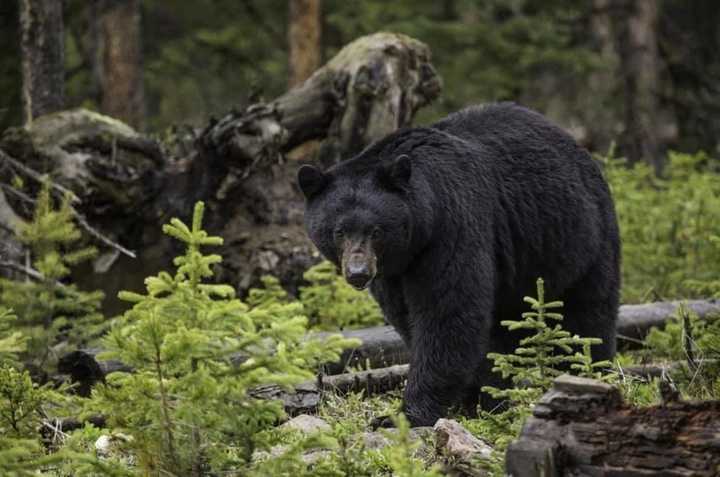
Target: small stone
(453, 440)
(375, 440)
(102, 445)
(306, 424)
(577, 385)
(106, 444)
(379, 439)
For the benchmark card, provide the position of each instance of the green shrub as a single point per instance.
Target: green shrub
(11, 342)
(666, 226)
(332, 304)
(695, 344)
(197, 352)
(541, 356)
(22, 413)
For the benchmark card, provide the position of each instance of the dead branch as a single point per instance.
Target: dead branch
(37, 176)
(81, 220)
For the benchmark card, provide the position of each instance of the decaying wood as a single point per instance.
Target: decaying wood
(383, 348)
(307, 396)
(242, 165)
(59, 191)
(372, 87)
(583, 427)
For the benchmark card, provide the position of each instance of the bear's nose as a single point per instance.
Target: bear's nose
(358, 275)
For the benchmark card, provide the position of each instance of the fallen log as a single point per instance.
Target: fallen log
(382, 346)
(307, 396)
(583, 427)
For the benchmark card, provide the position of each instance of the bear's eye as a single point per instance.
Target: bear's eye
(339, 233)
(376, 233)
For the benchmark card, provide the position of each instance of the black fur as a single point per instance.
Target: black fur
(490, 199)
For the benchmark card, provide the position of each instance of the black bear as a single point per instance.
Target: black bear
(450, 226)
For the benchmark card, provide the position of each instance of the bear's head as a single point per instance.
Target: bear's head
(360, 218)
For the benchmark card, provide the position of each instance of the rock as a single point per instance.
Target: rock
(460, 448)
(102, 446)
(306, 424)
(453, 440)
(108, 445)
(378, 439)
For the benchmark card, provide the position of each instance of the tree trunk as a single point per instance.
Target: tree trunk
(304, 36)
(600, 111)
(582, 427)
(43, 57)
(635, 24)
(121, 73)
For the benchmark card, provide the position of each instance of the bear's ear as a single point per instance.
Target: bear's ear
(311, 181)
(397, 173)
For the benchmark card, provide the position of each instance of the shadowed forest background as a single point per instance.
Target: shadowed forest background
(145, 135)
(605, 69)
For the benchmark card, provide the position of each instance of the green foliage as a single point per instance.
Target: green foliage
(11, 342)
(667, 227)
(20, 403)
(188, 403)
(540, 356)
(709, 287)
(400, 456)
(332, 304)
(696, 343)
(21, 416)
(47, 309)
(519, 40)
(498, 429)
(269, 294)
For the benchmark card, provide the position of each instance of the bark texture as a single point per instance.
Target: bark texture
(601, 119)
(635, 24)
(582, 427)
(43, 57)
(121, 72)
(304, 37)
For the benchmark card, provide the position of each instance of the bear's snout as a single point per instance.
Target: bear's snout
(359, 270)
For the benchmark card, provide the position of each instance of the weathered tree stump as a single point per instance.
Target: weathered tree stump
(583, 427)
(243, 165)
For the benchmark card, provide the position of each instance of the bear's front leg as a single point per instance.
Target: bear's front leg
(389, 295)
(446, 352)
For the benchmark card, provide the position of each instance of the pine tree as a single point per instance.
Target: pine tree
(541, 356)
(49, 310)
(332, 304)
(188, 404)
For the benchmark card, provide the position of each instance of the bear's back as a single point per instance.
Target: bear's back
(503, 125)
